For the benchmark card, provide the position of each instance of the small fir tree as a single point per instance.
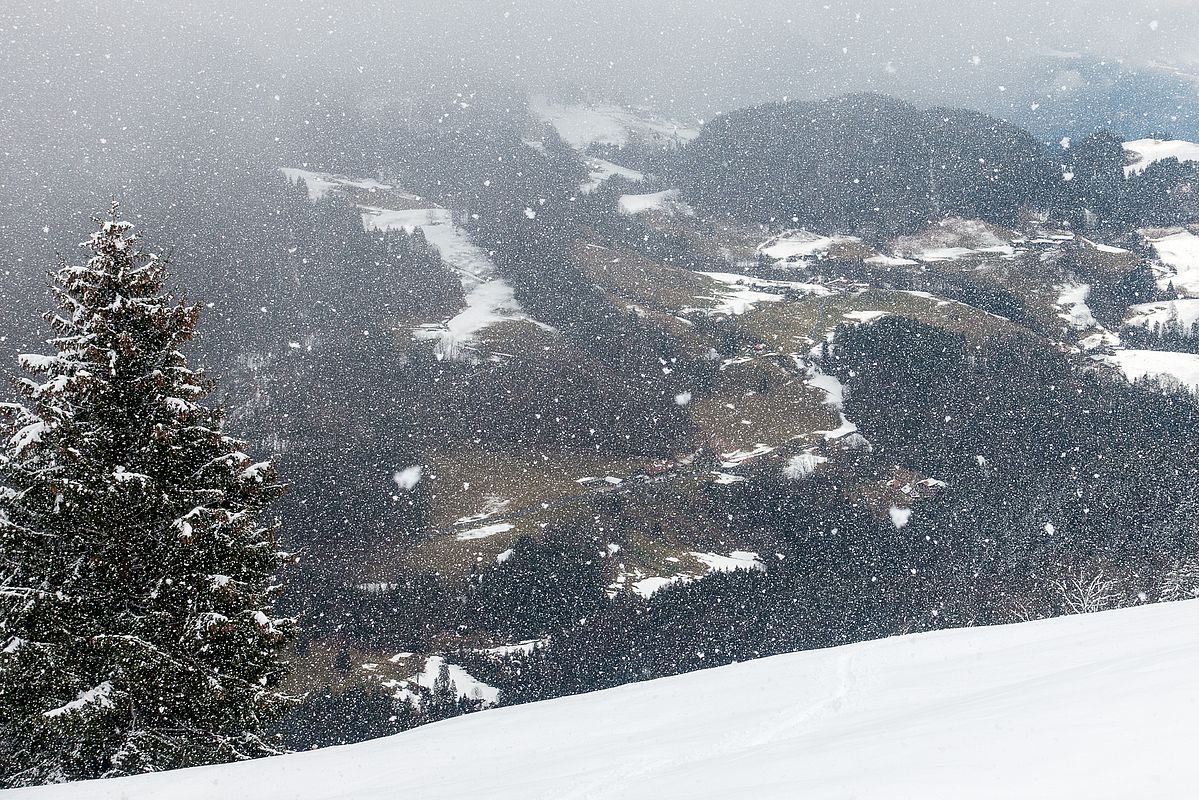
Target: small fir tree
(136, 575)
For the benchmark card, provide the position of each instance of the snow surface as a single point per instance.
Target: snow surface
(1150, 151)
(492, 505)
(466, 684)
(834, 395)
(601, 170)
(668, 201)
(1072, 299)
(99, 696)
(526, 647)
(320, 184)
(1106, 248)
(1178, 250)
(489, 299)
(801, 244)
(1101, 706)
(802, 465)
(407, 478)
(952, 239)
(1184, 312)
(1181, 367)
(890, 261)
(439, 229)
(738, 559)
(739, 457)
(741, 293)
(864, 317)
(583, 125)
(485, 531)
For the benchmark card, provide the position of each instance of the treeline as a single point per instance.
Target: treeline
(1067, 492)
(1172, 336)
(865, 164)
(1098, 194)
(1053, 472)
(878, 167)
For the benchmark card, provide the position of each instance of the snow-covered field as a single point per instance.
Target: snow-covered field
(1097, 706)
(834, 395)
(1183, 313)
(801, 244)
(1072, 300)
(583, 125)
(668, 201)
(713, 562)
(1149, 151)
(954, 238)
(1180, 367)
(600, 170)
(738, 294)
(489, 298)
(1178, 250)
(320, 184)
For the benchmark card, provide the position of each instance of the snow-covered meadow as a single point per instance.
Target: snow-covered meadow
(1095, 706)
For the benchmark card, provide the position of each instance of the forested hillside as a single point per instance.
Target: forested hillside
(570, 395)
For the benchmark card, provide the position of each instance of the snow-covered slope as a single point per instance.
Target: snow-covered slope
(1182, 368)
(796, 244)
(489, 298)
(1144, 152)
(1099, 706)
(1178, 251)
(320, 184)
(600, 170)
(1182, 313)
(581, 125)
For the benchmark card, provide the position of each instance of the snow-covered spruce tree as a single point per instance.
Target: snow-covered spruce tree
(136, 575)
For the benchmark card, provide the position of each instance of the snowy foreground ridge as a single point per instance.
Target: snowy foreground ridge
(1097, 706)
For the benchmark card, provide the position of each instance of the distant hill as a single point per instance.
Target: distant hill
(865, 163)
(1073, 94)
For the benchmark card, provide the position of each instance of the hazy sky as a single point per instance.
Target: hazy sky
(92, 81)
(727, 51)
